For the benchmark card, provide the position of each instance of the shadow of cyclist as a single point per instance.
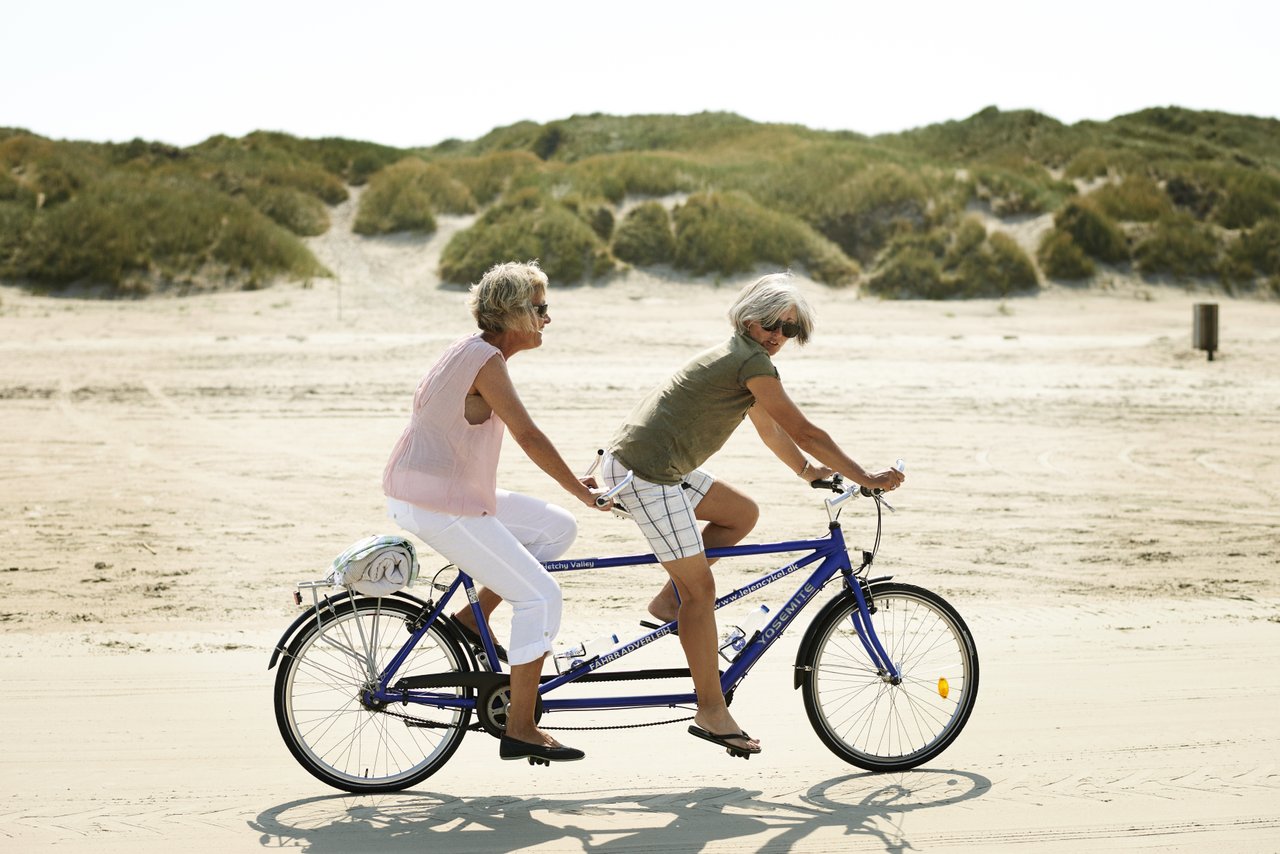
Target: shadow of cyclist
(861, 804)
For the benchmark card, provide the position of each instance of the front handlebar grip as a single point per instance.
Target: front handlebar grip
(835, 484)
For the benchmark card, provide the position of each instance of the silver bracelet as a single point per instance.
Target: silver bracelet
(803, 470)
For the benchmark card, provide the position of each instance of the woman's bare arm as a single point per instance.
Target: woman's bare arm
(774, 402)
(493, 383)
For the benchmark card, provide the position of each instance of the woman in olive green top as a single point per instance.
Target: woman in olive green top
(675, 429)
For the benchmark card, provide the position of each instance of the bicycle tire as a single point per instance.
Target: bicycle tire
(327, 726)
(861, 716)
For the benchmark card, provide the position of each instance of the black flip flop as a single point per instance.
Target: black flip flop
(650, 624)
(722, 739)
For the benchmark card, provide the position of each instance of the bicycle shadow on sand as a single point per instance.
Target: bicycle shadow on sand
(856, 805)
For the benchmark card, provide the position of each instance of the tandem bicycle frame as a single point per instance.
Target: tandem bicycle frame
(829, 553)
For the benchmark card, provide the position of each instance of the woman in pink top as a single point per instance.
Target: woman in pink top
(441, 484)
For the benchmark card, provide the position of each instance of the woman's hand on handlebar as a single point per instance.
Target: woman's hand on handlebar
(591, 498)
(886, 480)
(815, 473)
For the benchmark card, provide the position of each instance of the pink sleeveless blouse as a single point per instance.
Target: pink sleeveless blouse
(441, 462)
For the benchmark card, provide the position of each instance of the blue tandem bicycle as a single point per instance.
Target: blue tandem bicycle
(375, 693)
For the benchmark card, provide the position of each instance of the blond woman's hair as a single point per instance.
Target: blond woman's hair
(503, 298)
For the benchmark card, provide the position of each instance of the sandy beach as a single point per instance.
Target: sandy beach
(1099, 501)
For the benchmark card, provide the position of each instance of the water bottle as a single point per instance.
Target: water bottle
(583, 652)
(736, 639)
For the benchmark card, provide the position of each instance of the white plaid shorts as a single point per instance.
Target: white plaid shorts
(665, 513)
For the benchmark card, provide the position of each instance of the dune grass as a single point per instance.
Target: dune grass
(1061, 258)
(645, 237)
(133, 233)
(1178, 192)
(953, 262)
(532, 225)
(1178, 246)
(727, 233)
(1092, 231)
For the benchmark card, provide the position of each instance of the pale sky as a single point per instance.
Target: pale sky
(416, 73)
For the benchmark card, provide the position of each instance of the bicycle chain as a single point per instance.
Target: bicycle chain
(477, 727)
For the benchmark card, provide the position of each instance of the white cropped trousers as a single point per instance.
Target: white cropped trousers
(504, 553)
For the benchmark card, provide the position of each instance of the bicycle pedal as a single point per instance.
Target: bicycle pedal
(741, 754)
(533, 760)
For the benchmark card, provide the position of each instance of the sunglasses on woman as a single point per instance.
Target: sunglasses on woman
(541, 308)
(789, 330)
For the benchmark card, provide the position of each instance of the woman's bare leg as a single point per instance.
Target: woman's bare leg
(488, 601)
(730, 515)
(524, 695)
(692, 577)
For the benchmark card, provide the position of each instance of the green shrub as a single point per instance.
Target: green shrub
(645, 237)
(1247, 198)
(241, 165)
(863, 213)
(1061, 258)
(51, 172)
(1190, 192)
(404, 196)
(12, 190)
(616, 176)
(300, 212)
(1135, 199)
(601, 220)
(1258, 249)
(260, 159)
(530, 225)
(962, 262)
(1005, 265)
(1089, 163)
(797, 182)
(1229, 194)
(727, 233)
(15, 222)
(1178, 246)
(1021, 188)
(1091, 230)
(123, 228)
(909, 270)
(491, 175)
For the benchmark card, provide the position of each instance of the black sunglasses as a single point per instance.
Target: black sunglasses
(541, 308)
(789, 330)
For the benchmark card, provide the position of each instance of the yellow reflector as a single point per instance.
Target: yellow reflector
(943, 688)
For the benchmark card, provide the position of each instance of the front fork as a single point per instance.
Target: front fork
(861, 617)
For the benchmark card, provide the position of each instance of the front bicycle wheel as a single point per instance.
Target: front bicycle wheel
(868, 718)
(330, 726)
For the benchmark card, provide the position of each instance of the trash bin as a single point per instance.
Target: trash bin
(1204, 327)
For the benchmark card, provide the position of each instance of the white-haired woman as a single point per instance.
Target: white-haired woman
(675, 429)
(441, 484)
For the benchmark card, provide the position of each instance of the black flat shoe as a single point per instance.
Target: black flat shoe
(473, 638)
(537, 754)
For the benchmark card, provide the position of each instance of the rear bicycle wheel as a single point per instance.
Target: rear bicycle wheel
(870, 720)
(322, 712)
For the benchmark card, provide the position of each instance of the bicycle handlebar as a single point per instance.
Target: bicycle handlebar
(603, 498)
(836, 484)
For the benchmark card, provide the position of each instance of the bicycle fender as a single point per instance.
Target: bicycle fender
(282, 645)
(810, 638)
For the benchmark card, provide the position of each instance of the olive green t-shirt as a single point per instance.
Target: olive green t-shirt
(682, 422)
